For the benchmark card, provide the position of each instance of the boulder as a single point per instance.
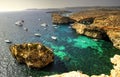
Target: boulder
(33, 55)
(116, 71)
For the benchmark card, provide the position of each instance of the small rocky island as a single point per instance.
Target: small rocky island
(98, 24)
(34, 55)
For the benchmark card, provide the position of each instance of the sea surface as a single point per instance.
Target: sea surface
(72, 51)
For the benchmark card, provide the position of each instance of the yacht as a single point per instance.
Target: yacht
(54, 38)
(19, 23)
(37, 34)
(7, 41)
(44, 24)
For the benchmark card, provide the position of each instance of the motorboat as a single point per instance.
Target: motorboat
(54, 38)
(7, 41)
(26, 29)
(19, 23)
(37, 34)
(44, 24)
(54, 25)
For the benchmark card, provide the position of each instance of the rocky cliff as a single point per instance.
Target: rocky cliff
(33, 55)
(59, 19)
(90, 31)
(105, 25)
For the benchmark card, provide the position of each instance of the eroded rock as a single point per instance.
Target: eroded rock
(59, 19)
(105, 25)
(90, 31)
(116, 71)
(33, 55)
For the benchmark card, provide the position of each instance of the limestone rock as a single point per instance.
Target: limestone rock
(70, 74)
(116, 71)
(99, 24)
(59, 19)
(114, 36)
(102, 75)
(33, 55)
(108, 20)
(90, 31)
(97, 14)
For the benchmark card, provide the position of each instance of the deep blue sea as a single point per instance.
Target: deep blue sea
(72, 51)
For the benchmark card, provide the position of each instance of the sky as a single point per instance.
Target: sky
(15, 5)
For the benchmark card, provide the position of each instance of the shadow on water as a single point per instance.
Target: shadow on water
(21, 70)
(57, 66)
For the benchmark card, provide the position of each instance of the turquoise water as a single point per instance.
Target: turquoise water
(72, 51)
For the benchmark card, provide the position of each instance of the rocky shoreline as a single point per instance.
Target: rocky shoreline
(115, 72)
(99, 24)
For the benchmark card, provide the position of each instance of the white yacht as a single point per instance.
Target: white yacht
(44, 24)
(37, 34)
(19, 23)
(7, 41)
(54, 38)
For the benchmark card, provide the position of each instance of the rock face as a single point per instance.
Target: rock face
(90, 31)
(59, 19)
(114, 37)
(115, 72)
(33, 55)
(101, 25)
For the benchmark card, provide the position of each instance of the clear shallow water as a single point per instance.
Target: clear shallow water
(72, 51)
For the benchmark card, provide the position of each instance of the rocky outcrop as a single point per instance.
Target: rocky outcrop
(114, 36)
(101, 25)
(112, 19)
(115, 72)
(59, 19)
(90, 31)
(93, 14)
(33, 55)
